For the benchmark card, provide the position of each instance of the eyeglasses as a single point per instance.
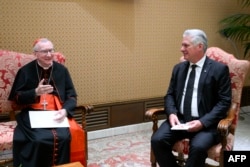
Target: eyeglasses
(45, 52)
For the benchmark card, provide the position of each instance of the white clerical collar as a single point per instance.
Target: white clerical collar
(45, 68)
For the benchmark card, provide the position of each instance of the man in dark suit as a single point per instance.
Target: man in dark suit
(201, 111)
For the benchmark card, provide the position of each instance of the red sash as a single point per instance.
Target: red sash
(77, 146)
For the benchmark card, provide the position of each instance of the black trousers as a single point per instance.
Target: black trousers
(36, 147)
(164, 138)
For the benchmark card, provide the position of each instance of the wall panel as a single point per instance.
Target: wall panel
(116, 50)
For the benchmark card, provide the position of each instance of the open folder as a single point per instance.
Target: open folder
(45, 119)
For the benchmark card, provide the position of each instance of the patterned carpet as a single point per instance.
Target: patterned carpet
(132, 149)
(128, 150)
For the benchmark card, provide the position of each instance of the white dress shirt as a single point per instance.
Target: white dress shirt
(194, 107)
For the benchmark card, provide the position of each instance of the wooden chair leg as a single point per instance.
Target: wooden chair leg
(152, 158)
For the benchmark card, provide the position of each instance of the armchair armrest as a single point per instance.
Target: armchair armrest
(225, 124)
(84, 109)
(152, 114)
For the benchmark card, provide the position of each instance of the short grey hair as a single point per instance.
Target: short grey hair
(197, 36)
(36, 44)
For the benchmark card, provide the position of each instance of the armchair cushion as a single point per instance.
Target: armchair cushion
(6, 137)
(10, 63)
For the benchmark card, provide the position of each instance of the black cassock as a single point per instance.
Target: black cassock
(41, 147)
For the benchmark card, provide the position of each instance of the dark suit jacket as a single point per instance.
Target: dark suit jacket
(214, 91)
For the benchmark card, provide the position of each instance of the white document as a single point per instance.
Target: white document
(180, 127)
(45, 119)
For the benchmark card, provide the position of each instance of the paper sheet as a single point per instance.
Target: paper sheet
(45, 119)
(180, 127)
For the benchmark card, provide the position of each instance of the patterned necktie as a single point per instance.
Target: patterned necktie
(189, 94)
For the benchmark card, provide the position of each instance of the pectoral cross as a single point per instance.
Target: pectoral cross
(44, 104)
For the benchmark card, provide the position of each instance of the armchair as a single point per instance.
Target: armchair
(238, 70)
(10, 62)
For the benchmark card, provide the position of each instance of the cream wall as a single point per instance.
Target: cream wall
(116, 50)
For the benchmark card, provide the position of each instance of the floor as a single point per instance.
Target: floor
(242, 140)
(131, 147)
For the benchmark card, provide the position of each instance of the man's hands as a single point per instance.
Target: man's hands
(60, 115)
(173, 120)
(43, 89)
(194, 126)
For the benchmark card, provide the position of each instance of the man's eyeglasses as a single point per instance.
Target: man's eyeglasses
(45, 52)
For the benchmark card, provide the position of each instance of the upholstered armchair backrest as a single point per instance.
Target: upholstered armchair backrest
(10, 62)
(238, 70)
